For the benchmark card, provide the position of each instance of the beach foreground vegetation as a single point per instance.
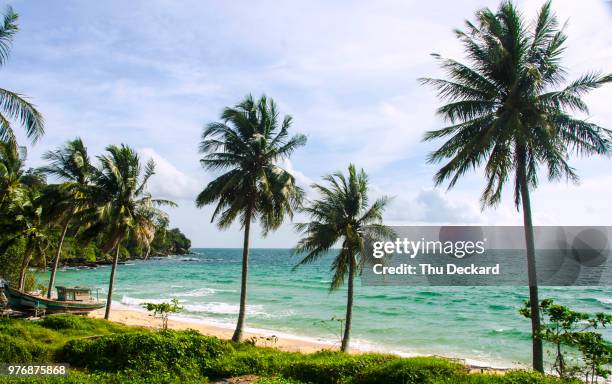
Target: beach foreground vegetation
(104, 352)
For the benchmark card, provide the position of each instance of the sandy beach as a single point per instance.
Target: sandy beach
(284, 342)
(143, 319)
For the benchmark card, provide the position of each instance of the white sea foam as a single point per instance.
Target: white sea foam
(201, 292)
(132, 301)
(224, 308)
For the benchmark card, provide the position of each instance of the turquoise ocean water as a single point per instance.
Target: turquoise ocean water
(478, 323)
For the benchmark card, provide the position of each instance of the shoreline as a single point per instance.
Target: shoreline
(285, 342)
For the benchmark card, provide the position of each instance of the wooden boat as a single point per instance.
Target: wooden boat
(72, 302)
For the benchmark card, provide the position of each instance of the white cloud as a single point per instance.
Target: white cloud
(168, 181)
(431, 206)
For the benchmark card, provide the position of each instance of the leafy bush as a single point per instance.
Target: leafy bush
(410, 371)
(327, 367)
(181, 352)
(14, 350)
(571, 331)
(58, 322)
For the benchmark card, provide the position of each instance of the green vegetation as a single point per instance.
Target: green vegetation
(249, 144)
(572, 333)
(99, 351)
(508, 115)
(94, 211)
(121, 206)
(343, 215)
(163, 310)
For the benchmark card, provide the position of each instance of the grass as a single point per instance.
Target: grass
(101, 352)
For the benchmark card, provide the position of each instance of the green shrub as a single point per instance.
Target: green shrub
(13, 350)
(185, 353)
(19, 345)
(59, 322)
(82, 325)
(327, 367)
(248, 359)
(410, 371)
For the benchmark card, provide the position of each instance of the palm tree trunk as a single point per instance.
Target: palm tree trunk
(349, 306)
(57, 259)
(111, 284)
(24, 269)
(243, 286)
(537, 351)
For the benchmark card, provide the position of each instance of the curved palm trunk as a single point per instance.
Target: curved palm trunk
(537, 351)
(57, 259)
(24, 269)
(349, 307)
(243, 286)
(111, 284)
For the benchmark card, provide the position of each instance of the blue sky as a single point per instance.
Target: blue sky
(151, 73)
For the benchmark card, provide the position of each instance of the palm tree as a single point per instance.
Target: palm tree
(15, 182)
(71, 165)
(14, 106)
(11, 173)
(248, 144)
(122, 206)
(342, 215)
(508, 112)
(29, 219)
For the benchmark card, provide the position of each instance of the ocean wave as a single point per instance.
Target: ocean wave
(219, 308)
(201, 292)
(127, 300)
(604, 300)
(222, 308)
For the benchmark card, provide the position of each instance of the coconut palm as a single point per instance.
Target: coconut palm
(13, 106)
(121, 204)
(342, 215)
(508, 111)
(71, 165)
(248, 145)
(11, 173)
(28, 223)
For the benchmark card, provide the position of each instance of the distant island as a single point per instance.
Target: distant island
(165, 243)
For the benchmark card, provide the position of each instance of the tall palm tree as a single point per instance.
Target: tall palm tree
(122, 206)
(342, 215)
(28, 223)
(248, 144)
(71, 165)
(13, 106)
(508, 112)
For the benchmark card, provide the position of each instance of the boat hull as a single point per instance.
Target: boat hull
(23, 302)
